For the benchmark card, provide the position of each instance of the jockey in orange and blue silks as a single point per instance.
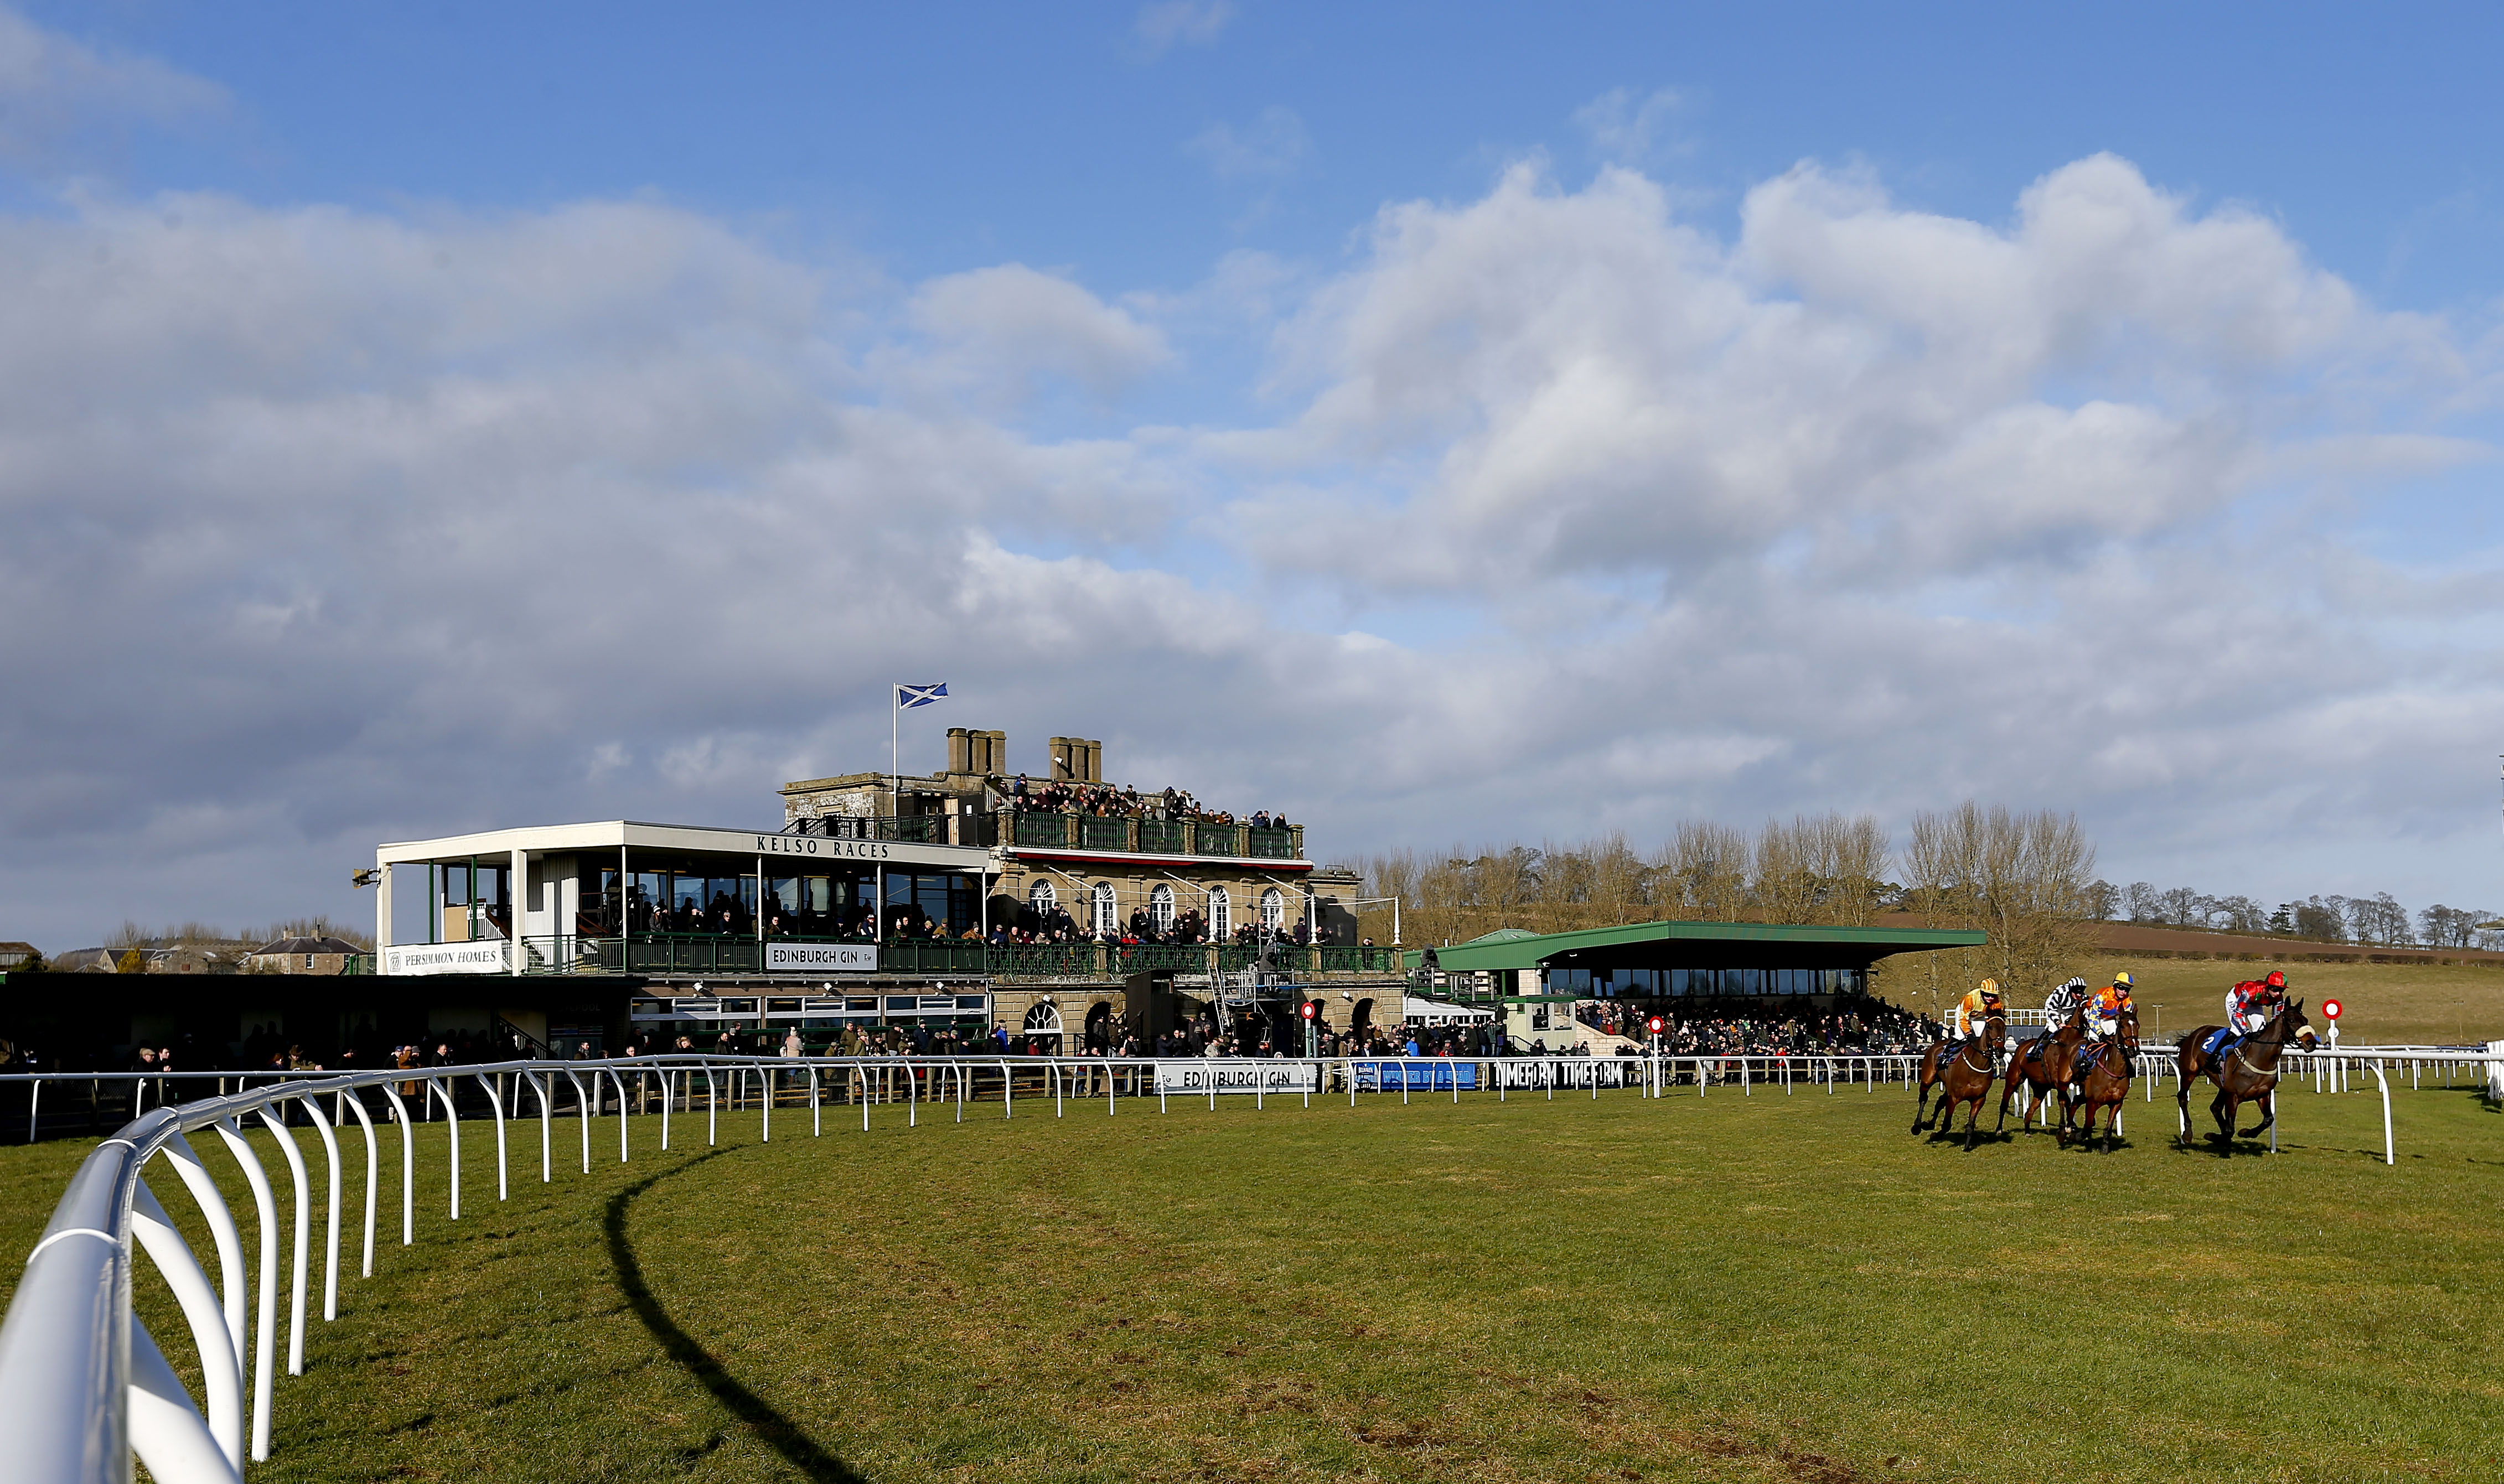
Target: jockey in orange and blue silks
(2103, 1007)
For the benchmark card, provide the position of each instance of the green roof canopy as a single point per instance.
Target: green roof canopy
(1700, 945)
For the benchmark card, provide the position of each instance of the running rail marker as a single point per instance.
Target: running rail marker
(83, 1388)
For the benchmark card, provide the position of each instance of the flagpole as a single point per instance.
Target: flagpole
(894, 752)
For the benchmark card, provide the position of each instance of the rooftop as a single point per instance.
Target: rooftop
(1731, 944)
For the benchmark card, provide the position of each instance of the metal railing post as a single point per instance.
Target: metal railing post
(303, 1185)
(265, 1315)
(330, 1242)
(496, 1105)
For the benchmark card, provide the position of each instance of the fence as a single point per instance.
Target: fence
(85, 1387)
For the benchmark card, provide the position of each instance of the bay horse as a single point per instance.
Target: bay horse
(2042, 1064)
(1949, 1067)
(2100, 1080)
(2245, 1074)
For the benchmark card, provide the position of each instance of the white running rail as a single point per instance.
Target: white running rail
(85, 1387)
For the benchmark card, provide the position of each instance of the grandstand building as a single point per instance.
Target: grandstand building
(975, 897)
(1549, 985)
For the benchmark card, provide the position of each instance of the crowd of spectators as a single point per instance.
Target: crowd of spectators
(1103, 800)
(1767, 1028)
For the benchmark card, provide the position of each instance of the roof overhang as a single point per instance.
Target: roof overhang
(1698, 945)
(694, 840)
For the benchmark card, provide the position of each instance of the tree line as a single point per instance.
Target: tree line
(2378, 920)
(2026, 879)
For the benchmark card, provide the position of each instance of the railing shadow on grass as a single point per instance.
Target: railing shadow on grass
(779, 1432)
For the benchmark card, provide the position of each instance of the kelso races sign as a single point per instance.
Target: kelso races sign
(1238, 1075)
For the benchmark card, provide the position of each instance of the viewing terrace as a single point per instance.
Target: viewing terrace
(1066, 830)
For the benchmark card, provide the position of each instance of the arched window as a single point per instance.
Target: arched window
(1221, 914)
(1104, 918)
(1273, 908)
(1161, 908)
(1044, 1019)
(1041, 897)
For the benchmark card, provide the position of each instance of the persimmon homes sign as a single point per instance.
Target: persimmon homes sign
(483, 956)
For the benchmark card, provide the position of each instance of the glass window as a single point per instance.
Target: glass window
(1041, 897)
(1104, 908)
(1161, 908)
(1273, 908)
(1221, 914)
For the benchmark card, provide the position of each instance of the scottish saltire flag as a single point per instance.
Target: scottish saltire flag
(907, 697)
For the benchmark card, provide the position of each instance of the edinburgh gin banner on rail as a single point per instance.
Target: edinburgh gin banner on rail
(820, 958)
(1207, 1074)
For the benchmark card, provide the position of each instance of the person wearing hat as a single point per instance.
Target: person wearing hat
(2103, 1007)
(2062, 1002)
(2250, 1004)
(1964, 1023)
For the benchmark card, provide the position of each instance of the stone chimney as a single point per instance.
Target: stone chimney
(981, 753)
(1076, 760)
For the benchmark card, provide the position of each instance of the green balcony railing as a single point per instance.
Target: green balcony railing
(1164, 837)
(1048, 830)
(931, 955)
(1157, 958)
(1046, 960)
(1271, 845)
(1105, 834)
(1217, 839)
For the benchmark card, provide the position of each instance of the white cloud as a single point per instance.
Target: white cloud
(1009, 324)
(1630, 129)
(1270, 148)
(58, 95)
(1169, 23)
(326, 527)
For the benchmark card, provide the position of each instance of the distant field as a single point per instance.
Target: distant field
(1729, 1289)
(2390, 1004)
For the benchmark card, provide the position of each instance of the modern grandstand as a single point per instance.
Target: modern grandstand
(845, 1150)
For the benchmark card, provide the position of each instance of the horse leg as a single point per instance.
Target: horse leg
(2182, 1107)
(2269, 1113)
(1921, 1108)
(1973, 1120)
(2223, 1110)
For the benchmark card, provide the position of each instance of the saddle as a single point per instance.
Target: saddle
(2220, 1041)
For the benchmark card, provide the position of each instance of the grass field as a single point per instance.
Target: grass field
(1767, 1287)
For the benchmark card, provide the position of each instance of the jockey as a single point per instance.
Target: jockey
(2058, 1003)
(2250, 1004)
(1964, 1023)
(2104, 1006)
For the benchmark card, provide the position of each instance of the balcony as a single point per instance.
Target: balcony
(1132, 834)
(734, 956)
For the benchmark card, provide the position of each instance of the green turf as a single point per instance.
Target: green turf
(1769, 1287)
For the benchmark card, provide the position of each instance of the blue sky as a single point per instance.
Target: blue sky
(1442, 424)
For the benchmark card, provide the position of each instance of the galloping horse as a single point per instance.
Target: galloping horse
(2100, 1077)
(1959, 1079)
(2245, 1074)
(2042, 1064)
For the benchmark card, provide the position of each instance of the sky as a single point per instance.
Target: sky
(1441, 424)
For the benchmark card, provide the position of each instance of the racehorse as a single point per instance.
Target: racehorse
(1951, 1067)
(2244, 1074)
(2042, 1064)
(2100, 1079)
